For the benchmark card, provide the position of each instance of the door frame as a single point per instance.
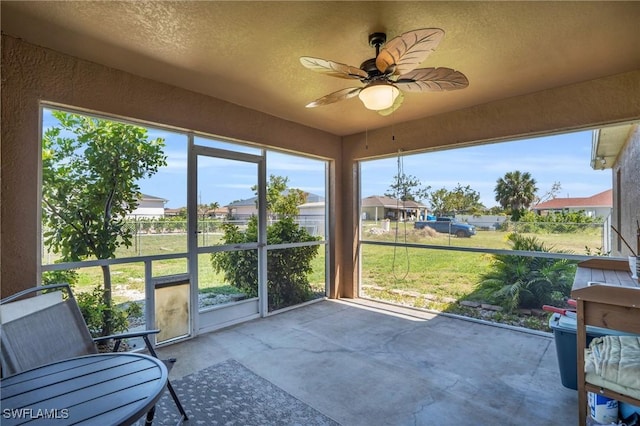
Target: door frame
(229, 314)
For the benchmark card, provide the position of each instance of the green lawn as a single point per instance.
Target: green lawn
(437, 279)
(445, 273)
(128, 279)
(397, 274)
(575, 243)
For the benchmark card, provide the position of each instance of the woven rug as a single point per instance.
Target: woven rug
(230, 394)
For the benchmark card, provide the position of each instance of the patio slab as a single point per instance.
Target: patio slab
(367, 363)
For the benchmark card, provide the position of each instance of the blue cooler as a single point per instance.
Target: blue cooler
(564, 330)
(627, 410)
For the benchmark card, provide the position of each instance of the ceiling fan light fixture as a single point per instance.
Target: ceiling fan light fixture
(379, 95)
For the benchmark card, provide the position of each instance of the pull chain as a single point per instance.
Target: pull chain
(366, 139)
(401, 189)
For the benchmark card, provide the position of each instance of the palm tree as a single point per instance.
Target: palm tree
(516, 191)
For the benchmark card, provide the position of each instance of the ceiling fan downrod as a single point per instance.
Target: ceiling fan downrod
(377, 40)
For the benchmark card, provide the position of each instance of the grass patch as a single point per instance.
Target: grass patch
(442, 273)
(438, 279)
(221, 289)
(444, 276)
(128, 279)
(568, 242)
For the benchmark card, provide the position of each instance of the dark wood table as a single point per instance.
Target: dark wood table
(103, 389)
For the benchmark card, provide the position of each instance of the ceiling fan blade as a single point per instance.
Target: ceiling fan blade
(395, 106)
(405, 52)
(347, 93)
(432, 80)
(332, 68)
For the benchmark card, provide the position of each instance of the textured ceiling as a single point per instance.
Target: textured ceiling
(248, 53)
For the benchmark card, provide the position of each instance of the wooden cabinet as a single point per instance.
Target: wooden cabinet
(613, 304)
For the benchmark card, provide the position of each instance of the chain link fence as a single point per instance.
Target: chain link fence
(151, 236)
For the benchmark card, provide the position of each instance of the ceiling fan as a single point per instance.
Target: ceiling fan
(391, 72)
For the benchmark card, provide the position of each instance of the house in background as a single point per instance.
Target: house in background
(244, 209)
(598, 205)
(219, 213)
(378, 207)
(181, 211)
(149, 207)
(312, 216)
(618, 148)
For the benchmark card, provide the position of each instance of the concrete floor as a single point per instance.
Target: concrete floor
(366, 363)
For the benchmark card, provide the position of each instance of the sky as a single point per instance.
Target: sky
(559, 158)
(224, 181)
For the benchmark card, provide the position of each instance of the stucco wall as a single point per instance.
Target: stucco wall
(31, 74)
(628, 164)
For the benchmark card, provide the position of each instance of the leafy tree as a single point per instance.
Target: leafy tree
(287, 281)
(282, 200)
(460, 199)
(550, 194)
(527, 282)
(438, 201)
(90, 170)
(407, 188)
(516, 191)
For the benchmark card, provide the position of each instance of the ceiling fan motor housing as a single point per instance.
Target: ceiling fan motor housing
(369, 66)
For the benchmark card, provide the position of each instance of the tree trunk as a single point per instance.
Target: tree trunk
(106, 319)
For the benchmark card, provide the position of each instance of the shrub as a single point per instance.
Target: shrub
(94, 310)
(527, 282)
(558, 223)
(57, 277)
(92, 305)
(287, 280)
